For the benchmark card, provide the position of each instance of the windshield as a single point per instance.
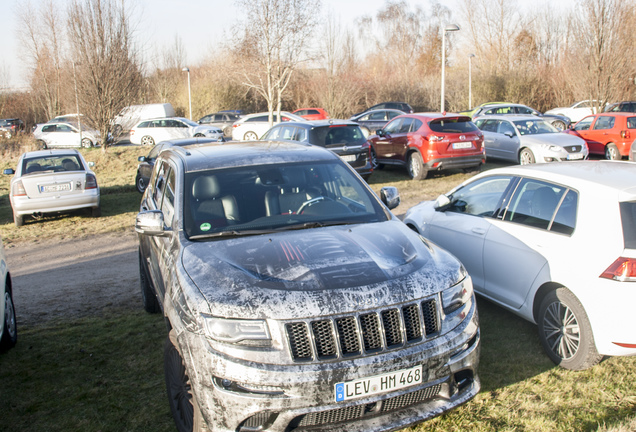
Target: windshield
(534, 127)
(267, 198)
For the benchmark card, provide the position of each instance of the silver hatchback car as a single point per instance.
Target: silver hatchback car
(295, 299)
(52, 181)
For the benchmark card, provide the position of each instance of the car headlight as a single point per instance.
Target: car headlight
(237, 331)
(458, 295)
(553, 148)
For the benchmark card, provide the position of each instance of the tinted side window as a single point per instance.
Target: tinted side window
(480, 198)
(631, 122)
(604, 122)
(159, 184)
(535, 203)
(50, 128)
(167, 204)
(406, 125)
(394, 126)
(628, 217)
(452, 125)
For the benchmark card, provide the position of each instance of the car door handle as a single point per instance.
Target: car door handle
(479, 231)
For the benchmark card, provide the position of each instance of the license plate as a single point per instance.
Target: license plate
(349, 158)
(575, 156)
(463, 145)
(56, 187)
(379, 383)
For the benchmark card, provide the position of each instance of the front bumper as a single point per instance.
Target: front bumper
(297, 396)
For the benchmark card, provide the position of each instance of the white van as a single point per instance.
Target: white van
(133, 114)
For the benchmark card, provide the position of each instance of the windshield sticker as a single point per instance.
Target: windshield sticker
(205, 226)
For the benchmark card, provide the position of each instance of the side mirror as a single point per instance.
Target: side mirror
(390, 197)
(509, 134)
(150, 222)
(8, 171)
(91, 164)
(441, 203)
(141, 158)
(379, 132)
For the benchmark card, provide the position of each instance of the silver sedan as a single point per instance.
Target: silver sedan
(52, 181)
(528, 139)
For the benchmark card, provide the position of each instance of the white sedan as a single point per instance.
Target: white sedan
(553, 243)
(576, 111)
(52, 181)
(253, 126)
(62, 134)
(149, 132)
(8, 328)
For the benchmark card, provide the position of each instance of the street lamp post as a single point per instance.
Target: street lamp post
(470, 82)
(186, 69)
(448, 28)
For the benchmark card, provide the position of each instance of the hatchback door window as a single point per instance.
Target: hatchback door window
(480, 198)
(407, 126)
(604, 122)
(394, 126)
(506, 128)
(167, 204)
(584, 124)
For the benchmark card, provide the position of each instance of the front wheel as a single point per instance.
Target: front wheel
(198, 135)
(250, 136)
(147, 140)
(526, 157)
(9, 335)
(42, 144)
(87, 143)
(183, 404)
(560, 125)
(416, 167)
(611, 152)
(140, 183)
(565, 331)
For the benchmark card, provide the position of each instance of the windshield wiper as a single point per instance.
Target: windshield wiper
(233, 233)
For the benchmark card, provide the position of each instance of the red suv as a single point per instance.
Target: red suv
(429, 141)
(607, 134)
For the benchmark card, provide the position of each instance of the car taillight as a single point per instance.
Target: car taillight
(435, 138)
(625, 134)
(132, 132)
(622, 270)
(18, 189)
(91, 182)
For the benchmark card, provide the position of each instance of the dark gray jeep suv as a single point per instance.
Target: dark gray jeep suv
(295, 300)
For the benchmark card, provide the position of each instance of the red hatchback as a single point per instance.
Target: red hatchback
(312, 113)
(429, 142)
(607, 134)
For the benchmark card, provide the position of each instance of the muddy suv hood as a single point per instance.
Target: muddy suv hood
(276, 275)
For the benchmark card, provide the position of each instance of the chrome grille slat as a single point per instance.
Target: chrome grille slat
(364, 334)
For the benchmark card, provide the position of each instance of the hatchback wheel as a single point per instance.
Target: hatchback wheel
(611, 152)
(526, 157)
(559, 125)
(565, 331)
(87, 143)
(416, 166)
(147, 140)
(250, 136)
(183, 404)
(198, 135)
(9, 335)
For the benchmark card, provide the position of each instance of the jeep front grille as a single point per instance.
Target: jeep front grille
(356, 335)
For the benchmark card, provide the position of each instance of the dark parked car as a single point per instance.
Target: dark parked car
(295, 300)
(428, 142)
(370, 121)
(11, 127)
(342, 137)
(402, 106)
(558, 121)
(223, 120)
(626, 106)
(147, 163)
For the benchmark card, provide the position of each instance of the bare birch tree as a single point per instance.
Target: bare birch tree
(274, 43)
(105, 56)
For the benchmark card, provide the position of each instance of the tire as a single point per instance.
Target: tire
(148, 297)
(565, 331)
(42, 144)
(374, 160)
(526, 157)
(147, 140)
(199, 135)
(611, 152)
(250, 136)
(228, 131)
(415, 166)
(18, 219)
(140, 183)
(183, 404)
(9, 335)
(87, 143)
(559, 124)
(96, 211)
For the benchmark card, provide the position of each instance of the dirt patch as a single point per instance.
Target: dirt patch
(74, 278)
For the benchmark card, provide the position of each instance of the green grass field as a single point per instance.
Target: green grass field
(105, 373)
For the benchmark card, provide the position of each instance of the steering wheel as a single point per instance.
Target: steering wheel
(311, 202)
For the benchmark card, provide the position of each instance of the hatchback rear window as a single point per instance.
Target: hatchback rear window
(452, 125)
(628, 218)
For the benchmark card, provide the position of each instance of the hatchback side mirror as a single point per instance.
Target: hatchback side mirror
(8, 171)
(441, 203)
(390, 197)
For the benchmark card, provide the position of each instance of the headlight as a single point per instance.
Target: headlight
(236, 331)
(456, 296)
(553, 148)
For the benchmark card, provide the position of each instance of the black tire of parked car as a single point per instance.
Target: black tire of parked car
(148, 298)
(140, 183)
(559, 124)
(415, 166)
(565, 331)
(183, 404)
(526, 157)
(611, 152)
(227, 131)
(199, 135)
(87, 143)
(9, 335)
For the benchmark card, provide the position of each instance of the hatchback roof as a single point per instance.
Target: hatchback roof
(247, 153)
